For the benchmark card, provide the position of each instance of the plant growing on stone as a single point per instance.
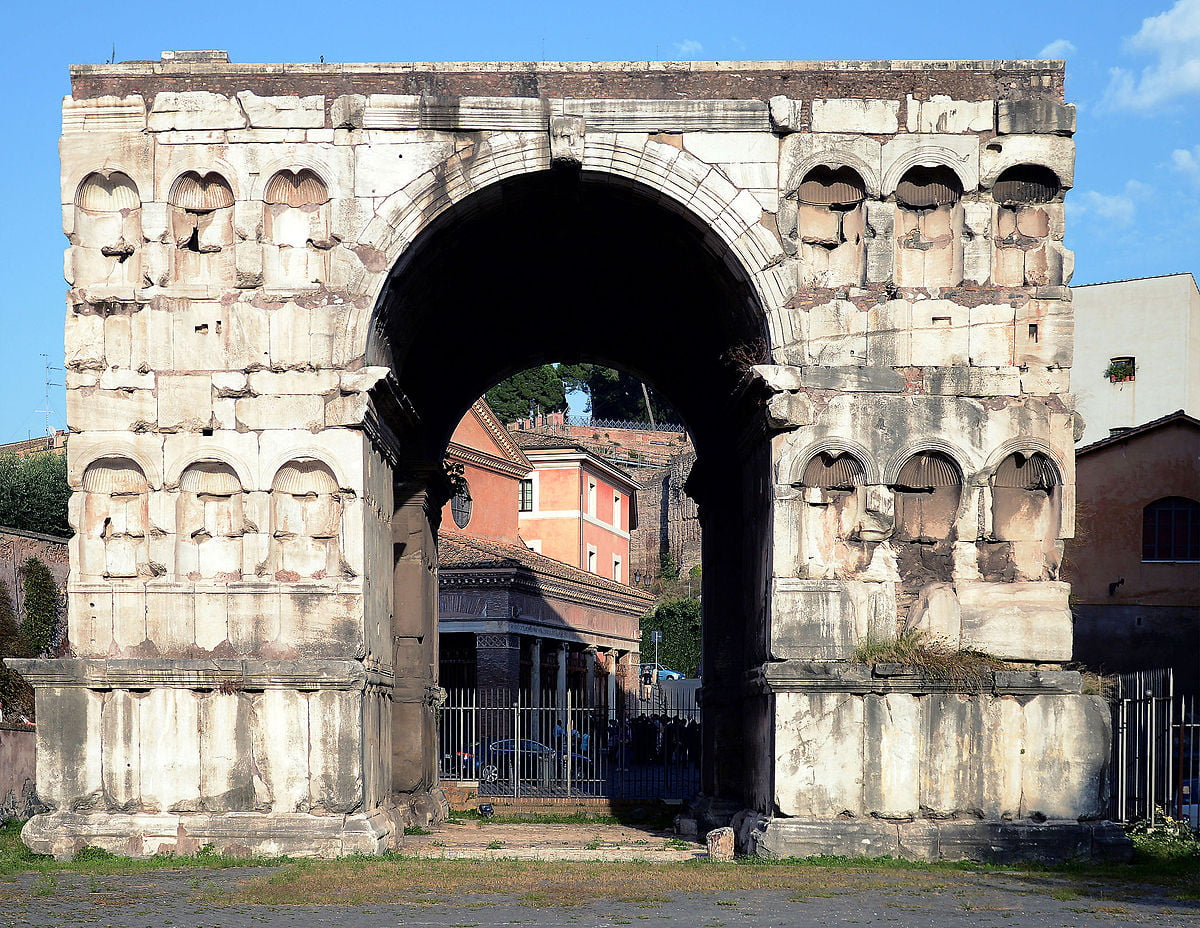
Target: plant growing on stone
(915, 647)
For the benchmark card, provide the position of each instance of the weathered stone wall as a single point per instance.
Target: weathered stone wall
(898, 227)
(18, 755)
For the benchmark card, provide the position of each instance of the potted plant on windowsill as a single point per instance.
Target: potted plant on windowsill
(1120, 371)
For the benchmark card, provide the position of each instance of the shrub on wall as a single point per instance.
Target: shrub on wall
(41, 599)
(16, 697)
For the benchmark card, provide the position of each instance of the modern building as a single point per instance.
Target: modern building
(1137, 352)
(511, 617)
(1134, 564)
(576, 507)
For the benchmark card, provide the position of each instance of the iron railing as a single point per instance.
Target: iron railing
(1156, 750)
(514, 746)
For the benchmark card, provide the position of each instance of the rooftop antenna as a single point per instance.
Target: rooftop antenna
(46, 399)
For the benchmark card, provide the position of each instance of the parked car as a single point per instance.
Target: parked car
(659, 672)
(1190, 811)
(531, 759)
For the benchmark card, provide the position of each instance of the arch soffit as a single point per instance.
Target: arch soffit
(142, 180)
(833, 158)
(1003, 161)
(203, 164)
(215, 454)
(109, 450)
(273, 464)
(792, 466)
(1023, 446)
(297, 162)
(932, 156)
(728, 212)
(891, 469)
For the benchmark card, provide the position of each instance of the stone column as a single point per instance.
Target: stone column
(589, 680)
(535, 688)
(614, 656)
(561, 683)
(497, 661)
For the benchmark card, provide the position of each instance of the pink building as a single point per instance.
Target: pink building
(575, 507)
(512, 616)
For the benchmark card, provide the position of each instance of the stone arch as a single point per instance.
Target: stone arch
(272, 463)
(691, 185)
(930, 156)
(891, 468)
(835, 158)
(151, 467)
(211, 452)
(295, 161)
(210, 521)
(791, 468)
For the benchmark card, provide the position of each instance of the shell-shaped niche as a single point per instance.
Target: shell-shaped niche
(114, 526)
(306, 522)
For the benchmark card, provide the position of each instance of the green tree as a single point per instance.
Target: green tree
(679, 622)
(614, 394)
(15, 694)
(542, 387)
(40, 626)
(34, 492)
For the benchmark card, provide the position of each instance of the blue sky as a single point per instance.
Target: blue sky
(1133, 71)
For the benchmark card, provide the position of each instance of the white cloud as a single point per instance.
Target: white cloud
(689, 47)
(1172, 39)
(1187, 162)
(1059, 48)
(1117, 209)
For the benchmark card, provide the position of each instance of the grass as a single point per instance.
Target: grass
(970, 670)
(1160, 869)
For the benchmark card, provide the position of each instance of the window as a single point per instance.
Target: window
(1121, 369)
(460, 506)
(591, 558)
(526, 495)
(1171, 530)
(617, 569)
(591, 499)
(616, 520)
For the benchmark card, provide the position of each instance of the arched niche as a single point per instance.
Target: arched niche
(296, 234)
(210, 521)
(108, 231)
(306, 522)
(201, 223)
(928, 491)
(928, 227)
(831, 226)
(114, 528)
(1028, 207)
(832, 488)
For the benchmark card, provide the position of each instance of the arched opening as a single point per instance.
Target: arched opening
(572, 266)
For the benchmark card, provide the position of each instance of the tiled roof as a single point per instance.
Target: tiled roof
(537, 440)
(458, 552)
(1178, 415)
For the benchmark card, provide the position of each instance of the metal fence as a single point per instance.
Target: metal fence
(1156, 750)
(514, 746)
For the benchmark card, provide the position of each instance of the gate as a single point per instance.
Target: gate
(1156, 750)
(559, 746)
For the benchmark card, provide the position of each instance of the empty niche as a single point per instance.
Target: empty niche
(202, 229)
(209, 523)
(929, 224)
(1025, 498)
(832, 484)
(928, 491)
(108, 231)
(831, 223)
(115, 522)
(1024, 255)
(296, 229)
(306, 522)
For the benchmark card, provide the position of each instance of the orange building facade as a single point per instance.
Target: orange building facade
(514, 614)
(575, 507)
